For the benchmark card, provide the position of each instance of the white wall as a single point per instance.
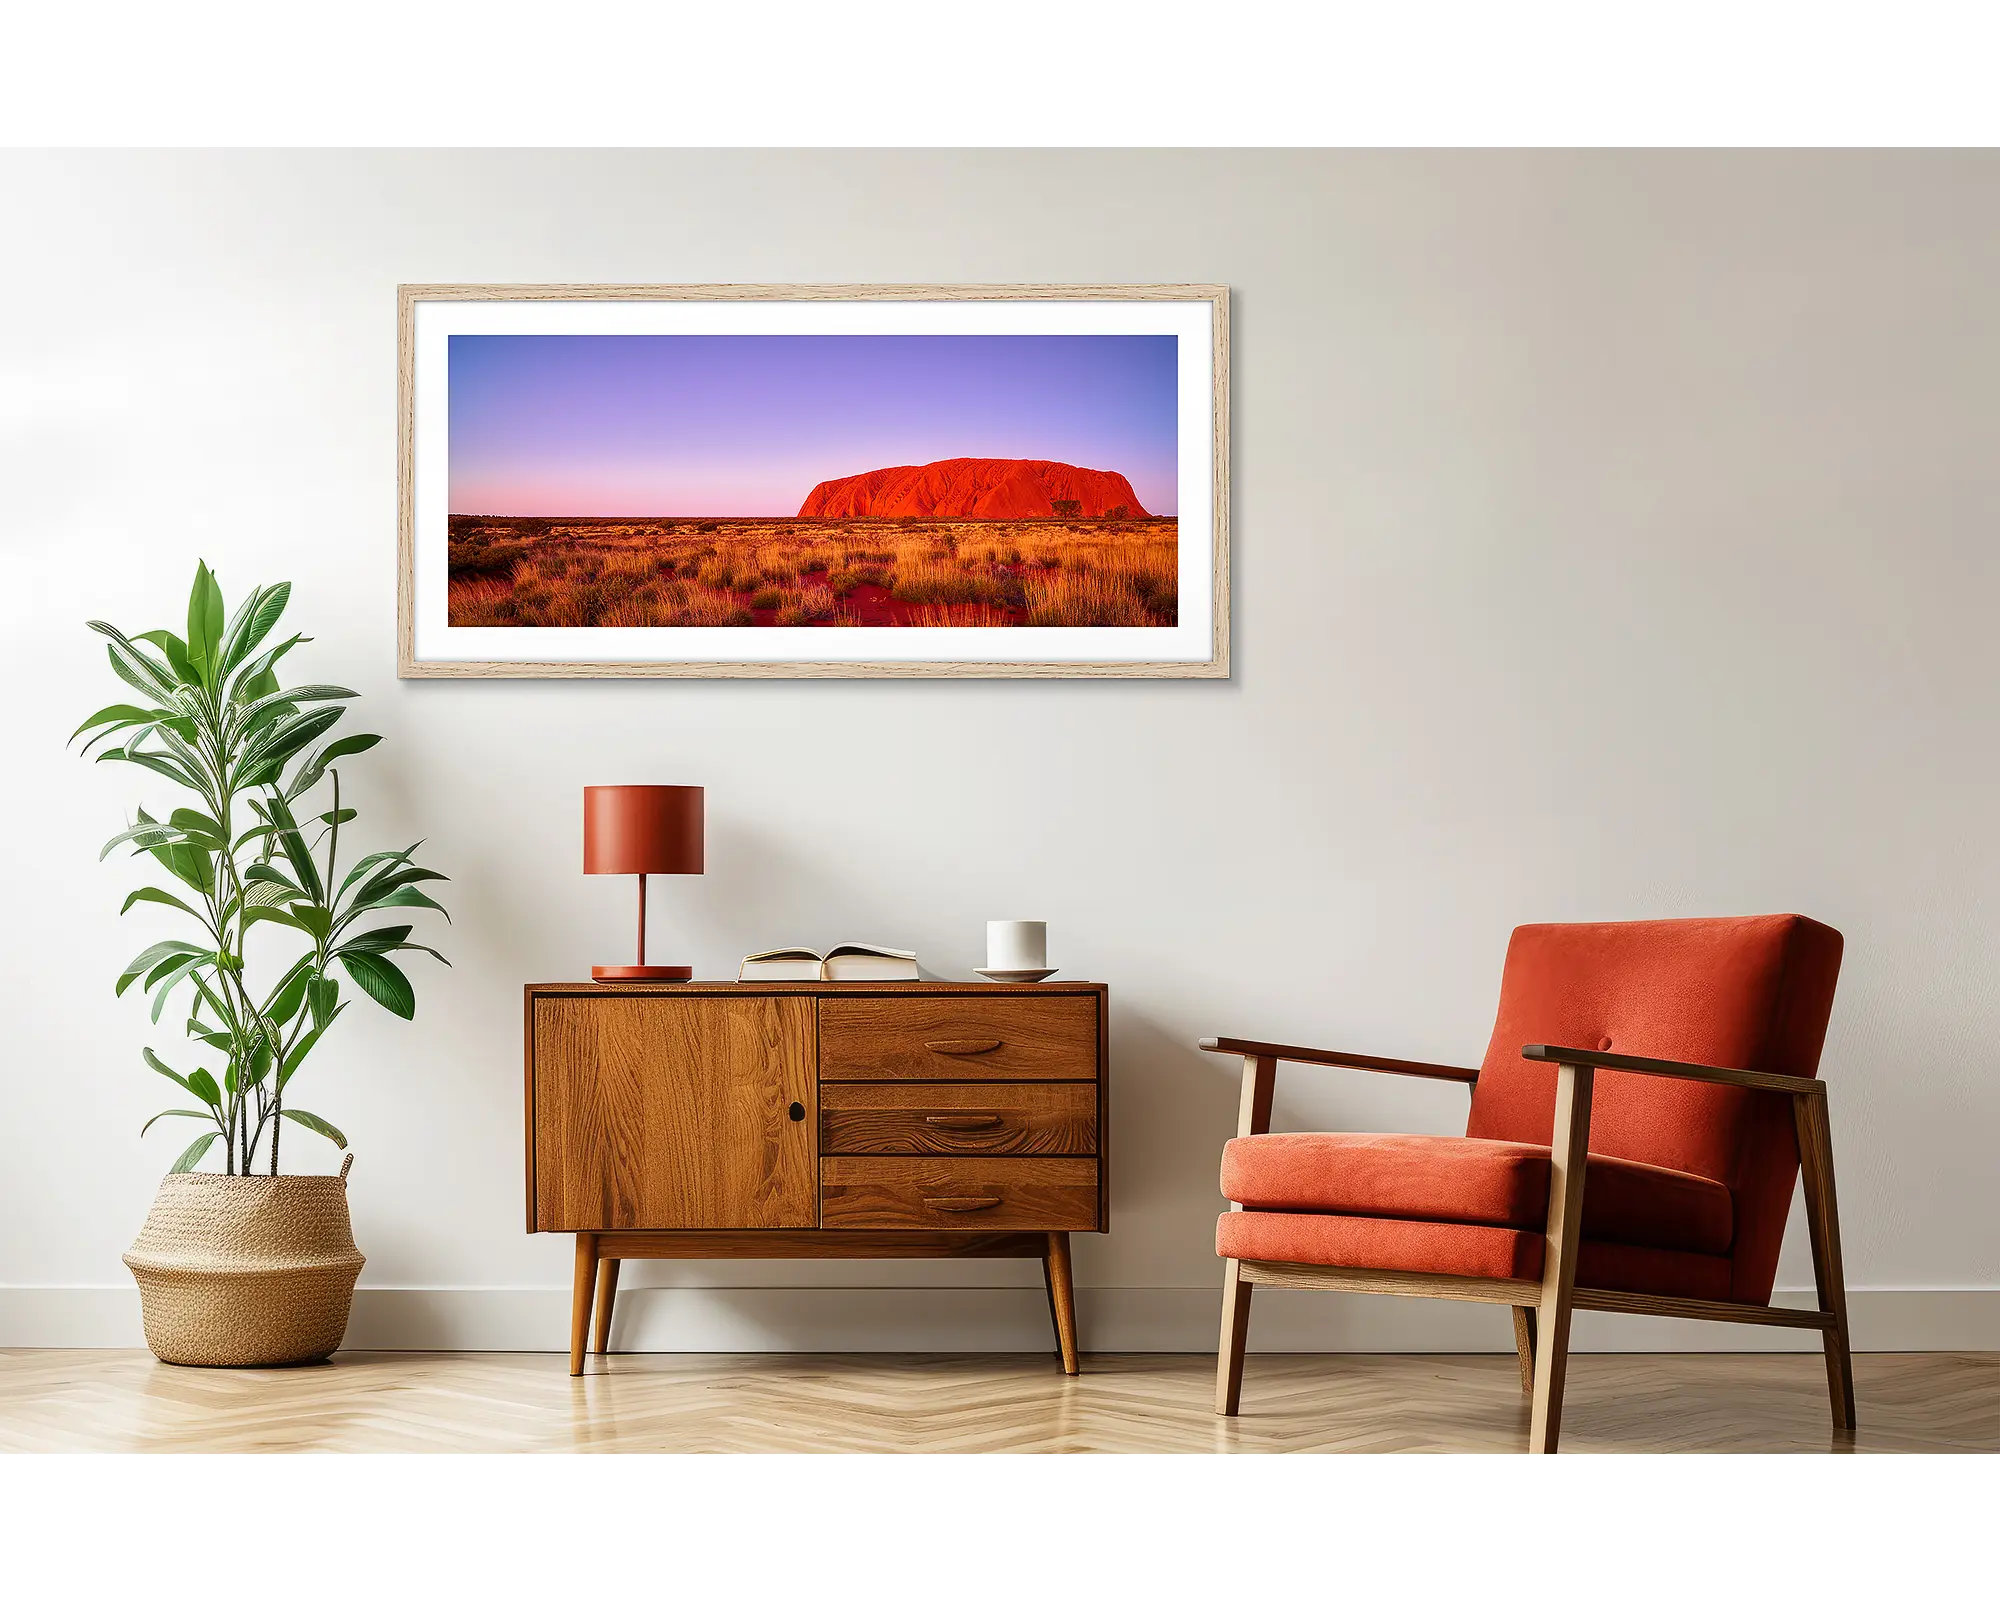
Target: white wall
(1614, 538)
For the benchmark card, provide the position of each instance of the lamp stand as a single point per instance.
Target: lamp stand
(640, 972)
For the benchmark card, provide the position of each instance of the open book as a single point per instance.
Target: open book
(844, 963)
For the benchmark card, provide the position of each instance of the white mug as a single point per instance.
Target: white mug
(1017, 946)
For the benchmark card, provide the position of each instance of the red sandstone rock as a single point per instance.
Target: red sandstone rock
(973, 487)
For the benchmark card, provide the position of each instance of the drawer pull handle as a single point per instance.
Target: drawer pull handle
(962, 1047)
(966, 1123)
(966, 1202)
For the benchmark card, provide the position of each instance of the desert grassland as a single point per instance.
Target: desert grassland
(723, 573)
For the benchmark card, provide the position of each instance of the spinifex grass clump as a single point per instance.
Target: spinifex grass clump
(527, 574)
(216, 723)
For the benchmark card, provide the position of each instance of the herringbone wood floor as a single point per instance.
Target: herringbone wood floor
(372, 1401)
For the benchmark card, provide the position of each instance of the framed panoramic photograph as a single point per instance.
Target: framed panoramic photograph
(814, 481)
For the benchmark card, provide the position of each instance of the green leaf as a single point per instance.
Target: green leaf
(199, 826)
(145, 835)
(187, 862)
(295, 849)
(305, 691)
(367, 863)
(158, 897)
(260, 1061)
(187, 970)
(178, 1111)
(170, 646)
(151, 957)
(316, 920)
(345, 814)
(319, 1125)
(267, 755)
(386, 882)
(164, 1070)
(295, 1058)
(315, 769)
(119, 716)
(291, 993)
(379, 939)
(155, 681)
(255, 618)
(426, 949)
(254, 914)
(382, 981)
(257, 679)
(205, 625)
(164, 765)
(190, 1158)
(270, 892)
(407, 896)
(204, 1086)
(171, 965)
(321, 993)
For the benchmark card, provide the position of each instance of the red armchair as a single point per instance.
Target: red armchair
(1646, 1101)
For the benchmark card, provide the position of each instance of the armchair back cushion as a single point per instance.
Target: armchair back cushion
(1745, 992)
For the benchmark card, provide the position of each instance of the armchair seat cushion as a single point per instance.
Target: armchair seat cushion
(1486, 1183)
(1461, 1250)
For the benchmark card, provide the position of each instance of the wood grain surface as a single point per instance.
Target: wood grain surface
(407, 1401)
(1014, 1119)
(974, 1037)
(668, 1113)
(806, 1244)
(966, 1191)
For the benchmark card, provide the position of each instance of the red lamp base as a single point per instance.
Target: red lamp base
(641, 974)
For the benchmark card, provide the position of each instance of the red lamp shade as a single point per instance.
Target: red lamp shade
(642, 828)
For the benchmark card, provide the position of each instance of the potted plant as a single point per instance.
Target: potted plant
(238, 1267)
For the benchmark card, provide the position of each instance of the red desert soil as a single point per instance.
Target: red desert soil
(973, 486)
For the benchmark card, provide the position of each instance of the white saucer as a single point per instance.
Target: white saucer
(1024, 975)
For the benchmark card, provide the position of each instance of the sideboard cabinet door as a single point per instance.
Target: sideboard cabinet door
(669, 1112)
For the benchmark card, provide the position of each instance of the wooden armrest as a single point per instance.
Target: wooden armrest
(1562, 1055)
(1341, 1058)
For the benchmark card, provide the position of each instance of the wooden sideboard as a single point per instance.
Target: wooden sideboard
(862, 1120)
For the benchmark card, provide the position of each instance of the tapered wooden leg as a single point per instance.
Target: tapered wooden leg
(607, 1296)
(1524, 1345)
(1823, 1223)
(1567, 1154)
(1049, 1285)
(1235, 1334)
(579, 1301)
(1063, 1298)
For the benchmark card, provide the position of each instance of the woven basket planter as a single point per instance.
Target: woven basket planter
(245, 1272)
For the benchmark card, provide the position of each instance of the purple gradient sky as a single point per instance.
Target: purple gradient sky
(589, 425)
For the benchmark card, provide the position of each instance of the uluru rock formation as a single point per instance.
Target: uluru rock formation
(973, 487)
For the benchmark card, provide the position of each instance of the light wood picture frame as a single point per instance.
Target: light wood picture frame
(594, 480)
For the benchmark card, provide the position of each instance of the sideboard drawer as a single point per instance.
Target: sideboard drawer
(977, 1119)
(967, 1192)
(958, 1036)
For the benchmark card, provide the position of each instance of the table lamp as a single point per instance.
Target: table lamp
(642, 828)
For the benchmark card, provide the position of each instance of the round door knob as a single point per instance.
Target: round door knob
(797, 1112)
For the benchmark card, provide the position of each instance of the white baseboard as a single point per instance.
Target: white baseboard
(1000, 1319)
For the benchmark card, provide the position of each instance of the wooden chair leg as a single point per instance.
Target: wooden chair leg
(1524, 1345)
(607, 1298)
(1235, 1334)
(579, 1300)
(1568, 1152)
(1823, 1223)
(1062, 1293)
